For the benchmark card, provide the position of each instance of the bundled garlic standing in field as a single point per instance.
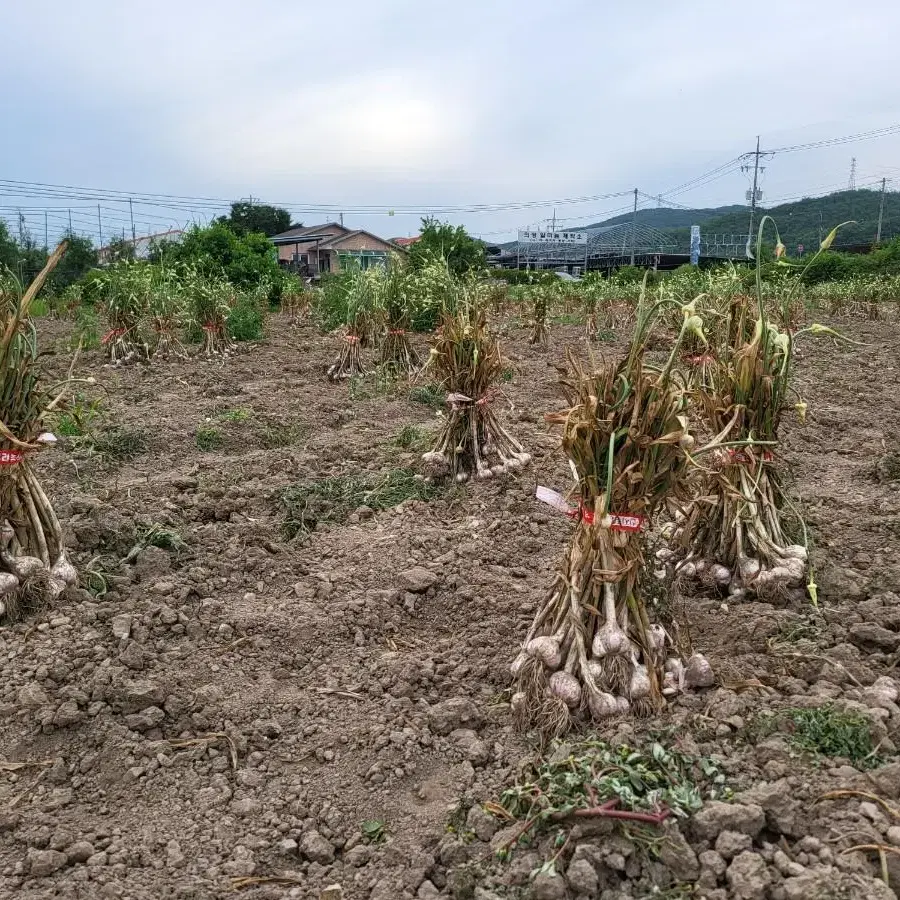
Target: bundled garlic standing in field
(592, 650)
(735, 527)
(209, 302)
(398, 357)
(359, 296)
(125, 289)
(167, 311)
(472, 442)
(540, 335)
(34, 568)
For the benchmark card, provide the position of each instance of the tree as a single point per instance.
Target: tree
(79, 259)
(462, 252)
(246, 260)
(246, 218)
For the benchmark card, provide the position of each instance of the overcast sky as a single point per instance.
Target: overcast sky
(422, 103)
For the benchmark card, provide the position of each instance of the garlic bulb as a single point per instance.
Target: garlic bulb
(721, 575)
(670, 685)
(640, 683)
(657, 636)
(8, 583)
(64, 570)
(601, 705)
(698, 672)
(610, 639)
(545, 649)
(795, 551)
(23, 566)
(517, 703)
(687, 569)
(623, 706)
(566, 687)
(595, 671)
(749, 568)
(517, 664)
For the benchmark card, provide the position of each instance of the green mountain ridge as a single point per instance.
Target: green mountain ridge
(802, 222)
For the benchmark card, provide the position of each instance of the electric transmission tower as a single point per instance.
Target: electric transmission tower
(851, 184)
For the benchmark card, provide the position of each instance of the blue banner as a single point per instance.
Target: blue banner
(695, 244)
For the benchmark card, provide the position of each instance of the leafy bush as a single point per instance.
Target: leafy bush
(245, 320)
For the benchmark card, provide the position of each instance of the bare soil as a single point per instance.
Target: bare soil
(239, 708)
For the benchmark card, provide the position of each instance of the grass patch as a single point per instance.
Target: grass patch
(567, 318)
(238, 415)
(245, 320)
(271, 436)
(117, 442)
(209, 438)
(412, 437)
(432, 395)
(78, 418)
(591, 773)
(333, 499)
(156, 536)
(86, 333)
(824, 731)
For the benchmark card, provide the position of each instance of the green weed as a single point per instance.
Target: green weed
(78, 418)
(245, 320)
(209, 438)
(432, 395)
(156, 536)
(591, 773)
(333, 499)
(87, 329)
(823, 731)
(412, 437)
(117, 442)
(374, 831)
(271, 436)
(239, 414)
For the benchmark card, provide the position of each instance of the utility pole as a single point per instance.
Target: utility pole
(46, 238)
(634, 225)
(342, 220)
(99, 225)
(753, 194)
(880, 212)
(131, 212)
(70, 221)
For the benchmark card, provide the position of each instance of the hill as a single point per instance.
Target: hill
(804, 221)
(664, 218)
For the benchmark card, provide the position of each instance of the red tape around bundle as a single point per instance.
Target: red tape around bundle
(211, 327)
(112, 335)
(11, 457)
(700, 359)
(351, 338)
(619, 521)
(746, 457)
(396, 331)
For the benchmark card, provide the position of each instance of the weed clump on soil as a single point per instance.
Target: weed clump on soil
(635, 786)
(333, 499)
(412, 437)
(824, 731)
(208, 438)
(428, 395)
